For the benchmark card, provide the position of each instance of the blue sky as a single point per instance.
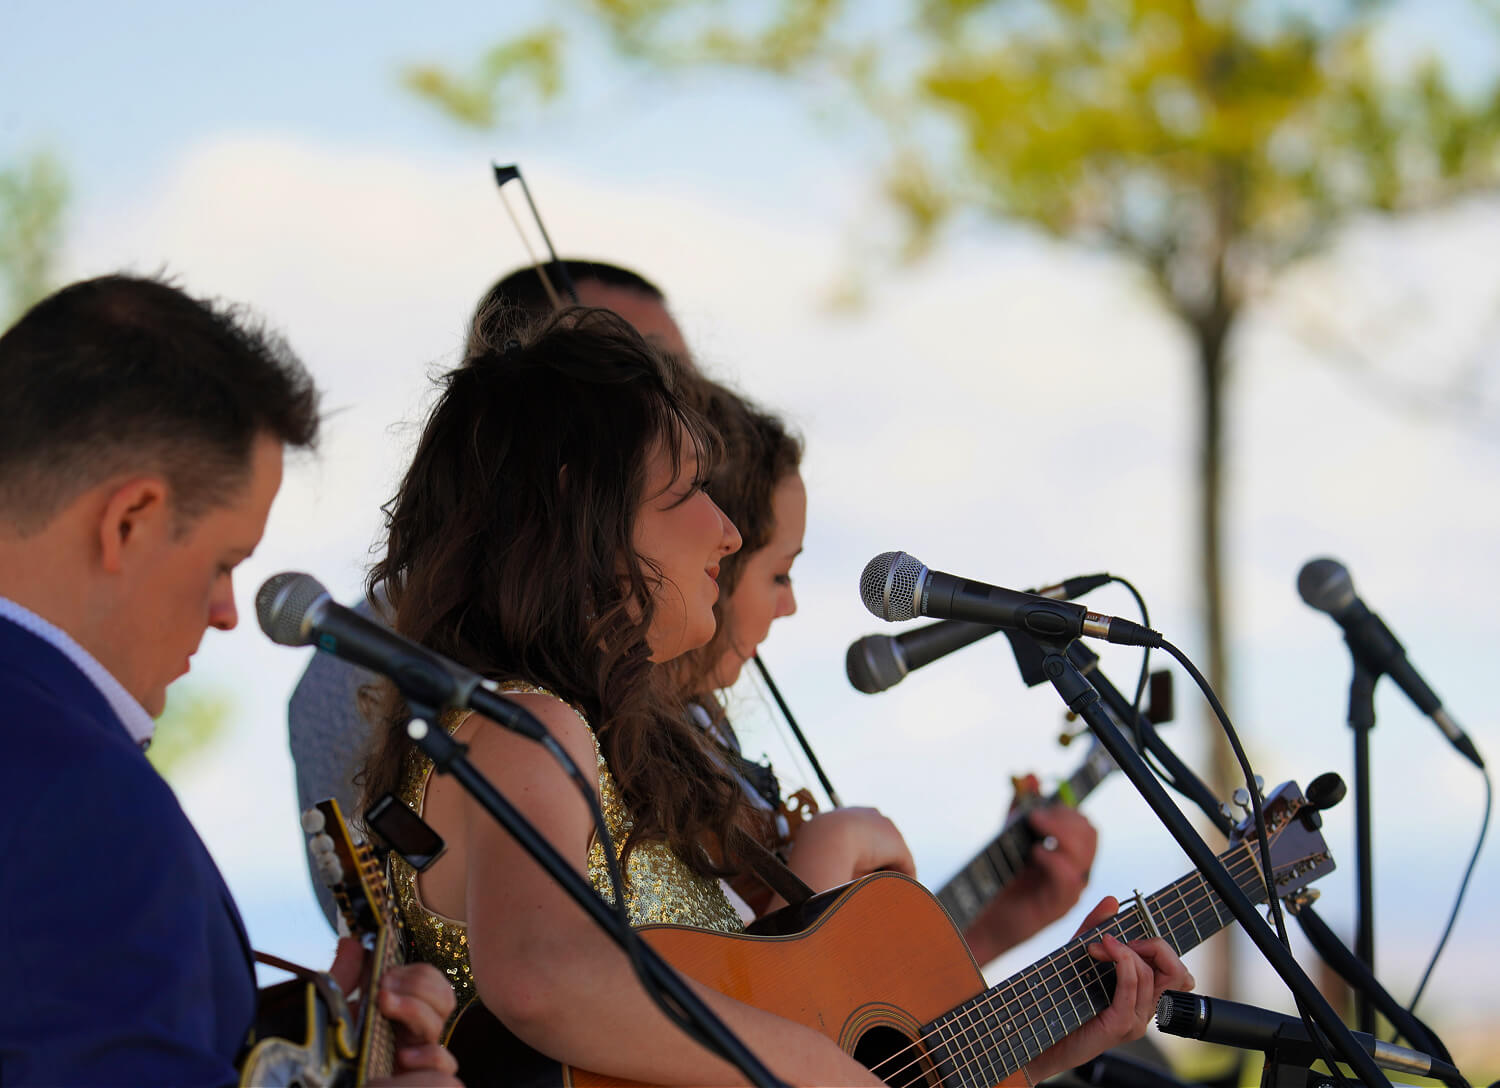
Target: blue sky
(1012, 410)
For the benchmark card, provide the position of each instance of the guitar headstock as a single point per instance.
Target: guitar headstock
(351, 869)
(1299, 855)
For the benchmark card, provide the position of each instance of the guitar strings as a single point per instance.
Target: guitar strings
(1068, 957)
(1085, 971)
(1071, 957)
(960, 1026)
(381, 1058)
(376, 1037)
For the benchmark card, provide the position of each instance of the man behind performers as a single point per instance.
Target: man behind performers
(141, 449)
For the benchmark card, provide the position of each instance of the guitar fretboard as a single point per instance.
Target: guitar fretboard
(989, 1037)
(976, 885)
(380, 1056)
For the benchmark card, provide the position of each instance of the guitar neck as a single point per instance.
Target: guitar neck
(385, 949)
(990, 871)
(994, 1034)
(378, 1049)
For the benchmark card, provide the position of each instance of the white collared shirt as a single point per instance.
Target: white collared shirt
(131, 714)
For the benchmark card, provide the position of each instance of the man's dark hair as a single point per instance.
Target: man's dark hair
(523, 289)
(121, 374)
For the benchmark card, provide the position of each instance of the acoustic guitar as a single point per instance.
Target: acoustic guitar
(879, 967)
(306, 1033)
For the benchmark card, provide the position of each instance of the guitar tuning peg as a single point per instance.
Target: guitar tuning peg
(320, 845)
(1225, 810)
(313, 821)
(1241, 797)
(330, 869)
(1260, 786)
(1326, 790)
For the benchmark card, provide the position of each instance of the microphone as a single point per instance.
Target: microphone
(877, 662)
(295, 610)
(1215, 1020)
(1325, 585)
(896, 586)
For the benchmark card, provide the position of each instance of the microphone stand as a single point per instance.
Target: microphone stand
(1362, 720)
(1354, 969)
(1081, 698)
(450, 757)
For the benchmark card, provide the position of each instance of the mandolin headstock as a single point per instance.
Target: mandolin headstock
(351, 869)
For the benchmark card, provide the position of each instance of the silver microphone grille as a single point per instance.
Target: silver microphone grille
(1177, 1013)
(1325, 585)
(282, 604)
(889, 585)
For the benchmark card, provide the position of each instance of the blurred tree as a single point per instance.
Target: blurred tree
(193, 722)
(1211, 142)
(33, 196)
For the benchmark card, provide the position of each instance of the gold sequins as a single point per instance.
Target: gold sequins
(659, 886)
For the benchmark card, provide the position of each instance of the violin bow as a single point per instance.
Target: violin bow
(786, 713)
(504, 175)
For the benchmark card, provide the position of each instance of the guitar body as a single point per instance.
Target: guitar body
(878, 964)
(866, 965)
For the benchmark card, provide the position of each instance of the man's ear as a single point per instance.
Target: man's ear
(136, 515)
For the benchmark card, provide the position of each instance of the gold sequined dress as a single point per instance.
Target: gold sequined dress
(659, 885)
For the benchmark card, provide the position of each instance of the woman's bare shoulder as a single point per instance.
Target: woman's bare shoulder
(561, 719)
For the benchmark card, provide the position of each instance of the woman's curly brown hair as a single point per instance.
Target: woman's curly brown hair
(509, 550)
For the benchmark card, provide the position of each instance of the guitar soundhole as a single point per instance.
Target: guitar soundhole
(893, 1057)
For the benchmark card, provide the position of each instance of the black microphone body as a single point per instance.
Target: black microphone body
(421, 675)
(295, 610)
(1325, 585)
(896, 586)
(950, 597)
(877, 662)
(1216, 1020)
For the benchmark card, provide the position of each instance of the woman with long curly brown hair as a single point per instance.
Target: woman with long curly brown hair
(553, 534)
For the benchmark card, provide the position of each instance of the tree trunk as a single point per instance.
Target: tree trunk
(1212, 332)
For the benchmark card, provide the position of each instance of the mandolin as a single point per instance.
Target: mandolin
(306, 1032)
(880, 968)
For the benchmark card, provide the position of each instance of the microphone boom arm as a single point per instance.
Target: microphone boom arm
(1081, 698)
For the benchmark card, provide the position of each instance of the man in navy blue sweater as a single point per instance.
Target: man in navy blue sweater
(140, 454)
